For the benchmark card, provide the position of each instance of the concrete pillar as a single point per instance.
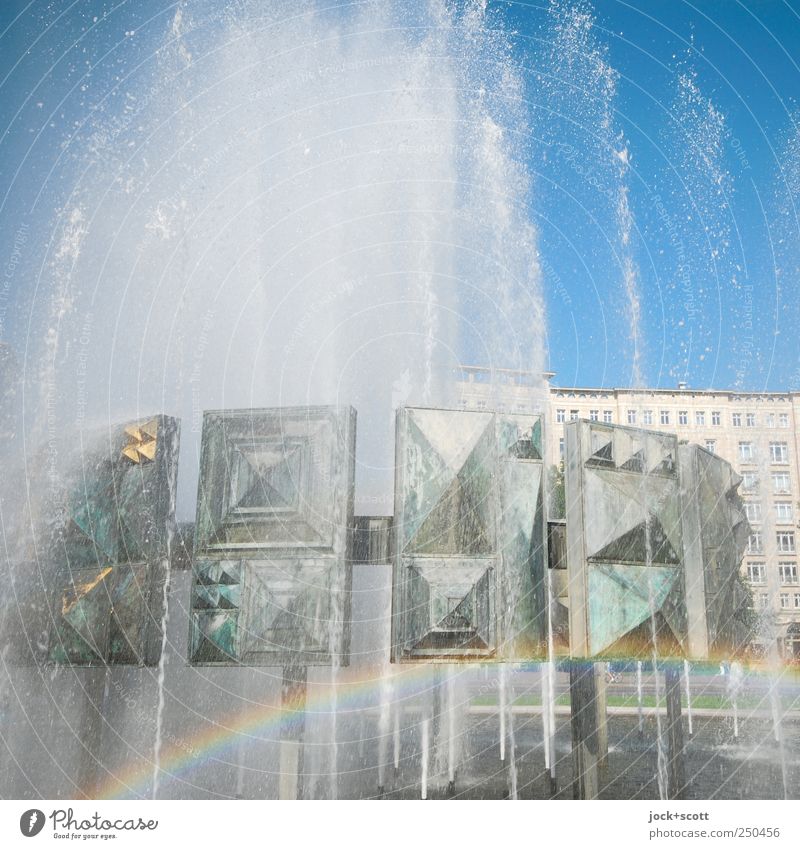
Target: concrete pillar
(585, 739)
(601, 709)
(293, 724)
(676, 774)
(92, 686)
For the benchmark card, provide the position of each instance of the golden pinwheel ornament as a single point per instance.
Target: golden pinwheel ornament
(142, 442)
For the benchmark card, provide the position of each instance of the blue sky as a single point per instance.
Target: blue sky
(721, 314)
(731, 325)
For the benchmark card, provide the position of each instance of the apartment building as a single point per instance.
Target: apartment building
(757, 432)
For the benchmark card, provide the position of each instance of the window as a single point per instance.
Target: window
(754, 544)
(716, 418)
(711, 445)
(464, 403)
(631, 416)
(784, 601)
(763, 600)
(481, 405)
(700, 418)
(783, 420)
(594, 415)
(746, 452)
(788, 573)
(561, 415)
(780, 481)
(778, 452)
(749, 481)
(784, 511)
(683, 417)
(561, 447)
(753, 511)
(665, 417)
(785, 541)
(647, 417)
(797, 601)
(751, 419)
(608, 416)
(736, 419)
(573, 415)
(755, 573)
(770, 419)
(521, 408)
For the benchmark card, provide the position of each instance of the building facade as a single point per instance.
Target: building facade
(756, 432)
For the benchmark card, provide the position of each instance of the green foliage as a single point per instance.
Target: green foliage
(557, 492)
(748, 623)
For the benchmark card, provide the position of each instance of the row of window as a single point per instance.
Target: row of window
(787, 572)
(784, 511)
(769, 419)
(781, 482)
(784, 542)
(785, 601)
(778, 452)
(594, 416)
(481, 404)
(683, 417)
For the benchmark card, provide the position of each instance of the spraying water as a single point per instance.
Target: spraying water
(502, 696)
(160, 680)
(734, 687)
(549, 689)
(384, 719)
(425, 756)
(688, 685)
(512, 742)
(700, 219)
(396, 737)
(661, 743)
(451, 726)
(545, 685)
(639, 697)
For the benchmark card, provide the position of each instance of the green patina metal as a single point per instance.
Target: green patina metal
(470, 547)
(111, 547)
(273, 537)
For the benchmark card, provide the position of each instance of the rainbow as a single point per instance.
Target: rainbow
(353, 691)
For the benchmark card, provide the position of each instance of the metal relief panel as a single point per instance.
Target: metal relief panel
(522, 535)
(467, 491)
(624, 541)
(715, 532)
(274, 524)
(111, 546)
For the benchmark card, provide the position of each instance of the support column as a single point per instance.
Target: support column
(601, 705)
(676, 774)
(94, 685)
(293, 726)
(583, 709)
